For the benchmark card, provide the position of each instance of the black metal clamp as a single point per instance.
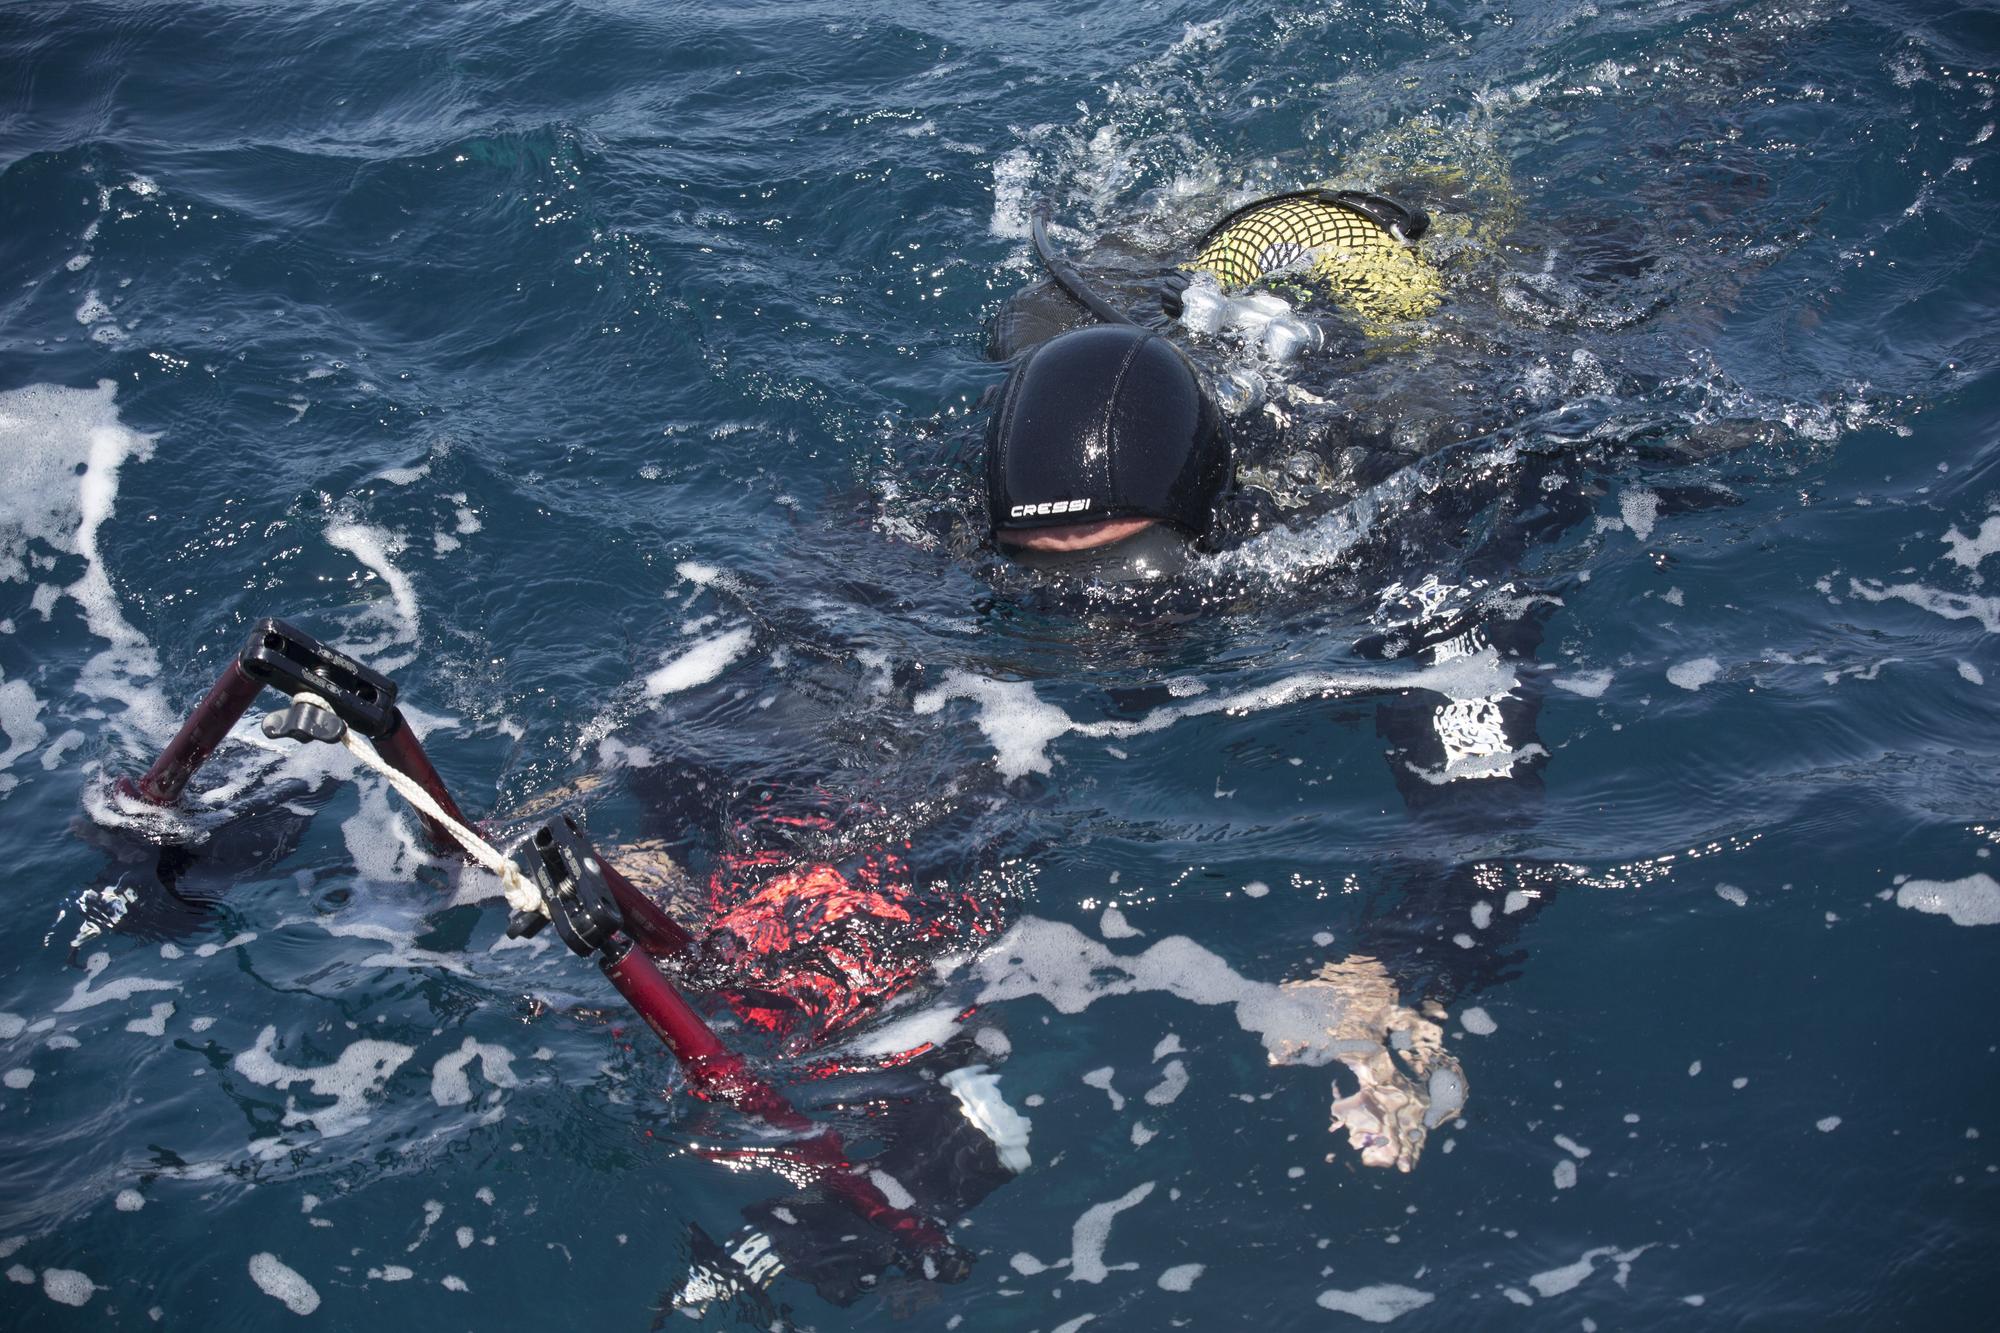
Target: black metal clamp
(575, 895)
(293, 662)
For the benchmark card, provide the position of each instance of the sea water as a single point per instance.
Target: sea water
(1603, 723)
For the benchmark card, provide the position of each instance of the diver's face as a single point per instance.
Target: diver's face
(1125, 550)
(1076, 536)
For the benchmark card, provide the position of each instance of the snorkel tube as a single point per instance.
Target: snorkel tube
(1066, 276)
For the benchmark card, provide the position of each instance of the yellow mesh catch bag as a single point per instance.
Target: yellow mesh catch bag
(1359, 264)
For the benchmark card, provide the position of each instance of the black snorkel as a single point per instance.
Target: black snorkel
(1066, 276)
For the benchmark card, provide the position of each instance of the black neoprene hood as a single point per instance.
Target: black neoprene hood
(1100, 423)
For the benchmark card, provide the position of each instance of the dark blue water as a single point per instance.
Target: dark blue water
(1616, 677)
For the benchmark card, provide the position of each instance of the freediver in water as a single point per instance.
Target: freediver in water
(1111, 460)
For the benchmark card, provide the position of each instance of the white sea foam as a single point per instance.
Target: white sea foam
(699, 664)
(1640, 508)
(66, 1286)
(1563, 1280)
(155, 1023)
(1695, 673)
(1729, 893)
(1092, 1233)
(401, 621)
(1012, 717)
(1101, 1079)
(1071, 971)
(1971, 551)
(1173, 1082)
(282, 1283)
(1972, 901)
(1377, 1304)
(1020, 725)
(20, 718)
(361, 1071)
(449, 1084)
(402, 950)
(1950, 605)
(1589, 684)
(1113, 926)
(64, 450)
(381, 837)
(85, 994)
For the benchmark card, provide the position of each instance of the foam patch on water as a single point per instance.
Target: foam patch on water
(1589, 684)
(400, 621)
(282, 1283)
(381, 837)
(1563, 1280)
(1640, 509)
(66, 1286)
(64, 450)
(1950, 605)
(1173, 1082)
(1377, 1304)
(1101, 1080)
(1971, 551)
(1072, 971)
(1020, 725)
(20, 719)
(698, 665)
(402, 950)
(155, 1023)
(449, 1084)
(361, 1072)
(1972, 901)
(1092, 1232)
(86, 994)
(1693, 674)
(1012, 717)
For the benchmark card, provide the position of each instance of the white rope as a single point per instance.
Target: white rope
(521, 892)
